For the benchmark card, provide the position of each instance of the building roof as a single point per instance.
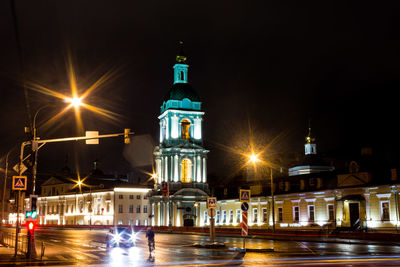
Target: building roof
(179, 91)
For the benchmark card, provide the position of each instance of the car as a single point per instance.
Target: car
(121, 237)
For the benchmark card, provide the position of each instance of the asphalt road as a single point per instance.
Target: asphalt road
(87, 248)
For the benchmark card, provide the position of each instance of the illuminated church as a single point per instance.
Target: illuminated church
(180, 159)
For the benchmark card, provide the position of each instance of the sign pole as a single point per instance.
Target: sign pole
(17, 225)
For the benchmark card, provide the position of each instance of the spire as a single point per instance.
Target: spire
(180, 67)
(309, 138)
(310, 147)
(181, 57)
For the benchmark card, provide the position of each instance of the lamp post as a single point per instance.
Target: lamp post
(254, 159)
(4, 188)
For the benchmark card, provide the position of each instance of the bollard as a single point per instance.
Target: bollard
(42, 251)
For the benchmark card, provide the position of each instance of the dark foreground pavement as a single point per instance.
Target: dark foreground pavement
(87, 248)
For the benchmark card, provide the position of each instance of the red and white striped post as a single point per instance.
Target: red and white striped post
(245, 228)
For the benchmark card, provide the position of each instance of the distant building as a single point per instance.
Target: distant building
(62, 202)
(180, 159)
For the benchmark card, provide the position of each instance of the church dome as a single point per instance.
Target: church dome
(179, 91)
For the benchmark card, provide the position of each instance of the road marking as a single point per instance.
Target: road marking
(61, 258)
(306, 247)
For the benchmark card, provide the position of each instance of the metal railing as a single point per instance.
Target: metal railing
(8, 239)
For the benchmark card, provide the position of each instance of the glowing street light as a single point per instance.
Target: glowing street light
(254, 158)
(75, 101)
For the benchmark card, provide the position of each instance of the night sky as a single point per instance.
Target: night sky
(272, 65)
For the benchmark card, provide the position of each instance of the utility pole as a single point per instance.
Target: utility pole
(273, 201)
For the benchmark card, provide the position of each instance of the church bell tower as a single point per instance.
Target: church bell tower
(180, 159)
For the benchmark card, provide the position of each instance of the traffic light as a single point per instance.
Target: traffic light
(33, 202)
(31, 226)
(127, 140)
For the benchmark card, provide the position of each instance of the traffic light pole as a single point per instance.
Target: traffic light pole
(31, 253)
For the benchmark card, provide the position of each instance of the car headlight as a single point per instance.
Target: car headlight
(117, 238)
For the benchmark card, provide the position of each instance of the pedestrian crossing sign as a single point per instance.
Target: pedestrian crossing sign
(245, 195)
(19, 183)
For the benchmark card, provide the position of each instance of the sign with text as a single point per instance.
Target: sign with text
(211, 202)
(19, 182)
(245, 195)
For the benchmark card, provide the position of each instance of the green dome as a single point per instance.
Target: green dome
(180, 91)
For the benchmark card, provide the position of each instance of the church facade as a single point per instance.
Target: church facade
(180, 159)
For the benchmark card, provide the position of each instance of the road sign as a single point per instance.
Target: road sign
(211, 212)
(245, 206)
(19, 183)
(92, 134)
(245, 195)
(212, 202)
(23, 168)
(245, 229)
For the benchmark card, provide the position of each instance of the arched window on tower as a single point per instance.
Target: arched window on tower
(182, 76)
(185, 127)
(186, 171)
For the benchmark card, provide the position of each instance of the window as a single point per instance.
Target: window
(264, 215)
(145, 197)
(255, 215)
(121, 196)
(108, 207)
(205, 217)
(130, 196)
(138, 197)
(130, 208)
(144, 208)
(120, 222)
(120, 208)
(237, 216)
(217, 215)
(311, 213)
(138, 209)
(186, 170)
(181, 75)
(72, 208)
(385, 211)
(137, 222)
(185, 127)
(224, 216)
(280, 214)
(331, 212)
(296, 214)
(66, 208)
(231, 216)
(145, 222)
(80, 206)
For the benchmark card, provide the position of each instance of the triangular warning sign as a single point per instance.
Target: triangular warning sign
(19, 183)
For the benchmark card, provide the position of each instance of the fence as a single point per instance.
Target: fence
(8, 239)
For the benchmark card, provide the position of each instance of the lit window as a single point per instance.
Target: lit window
(385, 211)
(237, 216)
(331, 212)
(311, 213)
(280, 214)
(296, 214)
(186, 170)
(185, 129)
(264, 215)
(255, 215)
